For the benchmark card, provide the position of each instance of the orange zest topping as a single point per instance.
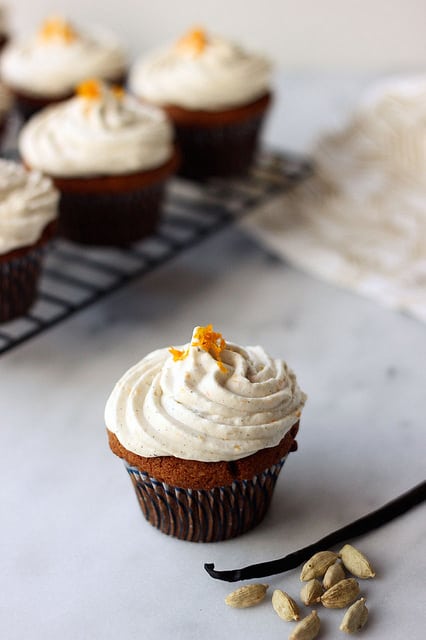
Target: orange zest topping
(208, 340)
(90, 90)
(57, 29)
(193, 43)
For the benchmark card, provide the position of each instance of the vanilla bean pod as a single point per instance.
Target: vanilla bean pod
(371, 521)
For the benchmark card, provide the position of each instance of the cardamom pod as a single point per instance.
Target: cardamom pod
(306, 629)
(285, 606)
(311, 592)
(340, 594)
(246, 596)
(335, 573)
(356, 562)
(355, 617)
(316, 566)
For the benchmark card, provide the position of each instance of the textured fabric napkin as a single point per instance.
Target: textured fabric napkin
(360, 220)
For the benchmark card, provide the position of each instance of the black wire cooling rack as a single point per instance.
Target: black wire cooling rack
(75, 277)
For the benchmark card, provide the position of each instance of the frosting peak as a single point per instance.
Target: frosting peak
(193, 43)
(206, 339)
(55, 28)
(179, 402)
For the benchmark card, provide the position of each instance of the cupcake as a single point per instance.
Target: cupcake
(28, 206)
(204, 430)
(47, 67)
(215, 93)
(109, 156)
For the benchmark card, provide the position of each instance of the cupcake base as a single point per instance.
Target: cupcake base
(218, 144)
(205, 501)
(199, 515)
(112, 210)
(19, 275)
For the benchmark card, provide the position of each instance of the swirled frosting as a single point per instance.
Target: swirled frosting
(101, 131)
(195, 405)
(56, 59)
(28, 202)
(201, 72)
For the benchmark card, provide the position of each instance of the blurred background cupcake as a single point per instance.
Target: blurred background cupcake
(47, 66)
(28, 209)
(204, 431)
(216, 93)
(109, 156)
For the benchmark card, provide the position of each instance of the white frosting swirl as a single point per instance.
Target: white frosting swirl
(106, 135)
(193, 410)
(221, 76)
(53, 67)
(28, 202)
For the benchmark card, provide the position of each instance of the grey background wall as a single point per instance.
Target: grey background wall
(329, 34)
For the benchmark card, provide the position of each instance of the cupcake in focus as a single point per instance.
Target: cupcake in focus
(47, 67)
(216, 94)
(28, 210)
(204, 430)
(110, 158)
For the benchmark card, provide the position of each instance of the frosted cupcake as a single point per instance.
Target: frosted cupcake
(47, 67)
(109, 156)
(204, 430)
(216, 93)
(28, 209)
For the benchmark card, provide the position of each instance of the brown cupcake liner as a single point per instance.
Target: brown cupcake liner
(110, 218)
(18, 284)
(199, 515)
(222, 151)
(19, 275)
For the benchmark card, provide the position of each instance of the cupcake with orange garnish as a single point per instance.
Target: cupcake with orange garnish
(216, 93)
(109, 156)
(204, 430)
(47, 67)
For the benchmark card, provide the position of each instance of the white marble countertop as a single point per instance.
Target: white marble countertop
(77, 560)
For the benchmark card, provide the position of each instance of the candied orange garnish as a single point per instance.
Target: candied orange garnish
(194, 42)
(208, 340)
(89, 89)
(57, 29)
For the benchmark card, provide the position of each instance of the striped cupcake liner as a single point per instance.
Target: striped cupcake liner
(199, 515)
(18, 283)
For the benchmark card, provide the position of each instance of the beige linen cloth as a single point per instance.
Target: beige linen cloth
(360, 220)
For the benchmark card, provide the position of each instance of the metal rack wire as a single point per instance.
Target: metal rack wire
(76, 277)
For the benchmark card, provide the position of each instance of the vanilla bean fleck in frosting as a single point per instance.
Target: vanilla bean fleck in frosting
(53, 61)
(28, 202)
(201, 71)
(209, 400)
(101, 131)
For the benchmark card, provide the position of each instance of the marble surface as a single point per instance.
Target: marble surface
(77, 561)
